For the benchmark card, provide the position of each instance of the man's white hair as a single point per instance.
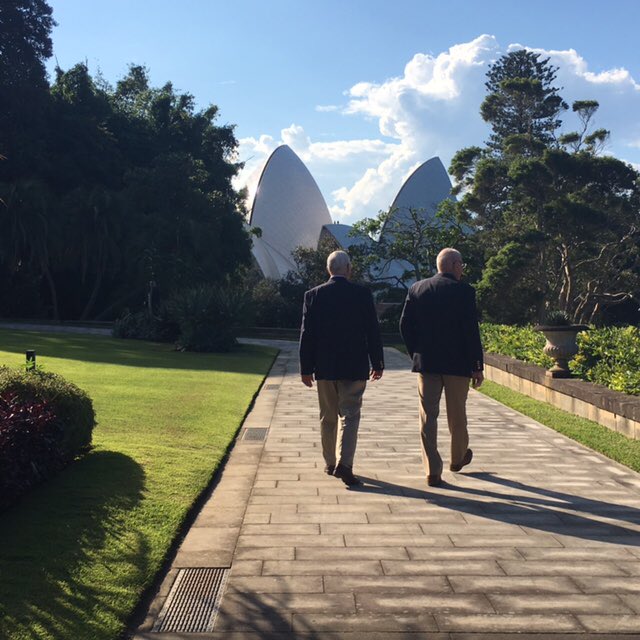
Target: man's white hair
(338, 263)
(446, 259)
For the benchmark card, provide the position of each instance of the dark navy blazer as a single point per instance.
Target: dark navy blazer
(340, 337)
(439, 326)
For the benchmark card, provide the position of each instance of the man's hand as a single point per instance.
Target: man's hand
(476, 379)
(376, 374)
(307, 381)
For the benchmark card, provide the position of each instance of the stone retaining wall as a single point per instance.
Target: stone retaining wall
(612, 409)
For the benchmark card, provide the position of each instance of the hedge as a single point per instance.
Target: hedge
(45, 422)
(608, 356)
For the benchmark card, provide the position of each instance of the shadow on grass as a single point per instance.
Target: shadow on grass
(133, 353)
(543, 509)
(48, 540)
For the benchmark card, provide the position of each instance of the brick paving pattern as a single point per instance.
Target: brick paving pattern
(538, 537)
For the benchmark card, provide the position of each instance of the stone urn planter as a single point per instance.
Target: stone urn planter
(561, 346)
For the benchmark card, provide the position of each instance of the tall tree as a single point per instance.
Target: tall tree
(522, 101)
(125, 187)
(557, 221)
(25, 45)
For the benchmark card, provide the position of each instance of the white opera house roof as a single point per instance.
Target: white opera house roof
(287, 206)
(424, 190)
(289, 210)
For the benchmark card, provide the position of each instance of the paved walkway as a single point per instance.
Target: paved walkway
(538, 537)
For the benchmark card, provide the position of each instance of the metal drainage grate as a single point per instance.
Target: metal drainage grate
(193, 602)
(257, 434)
(271, 386)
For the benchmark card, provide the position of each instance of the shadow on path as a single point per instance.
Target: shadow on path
(544, 509)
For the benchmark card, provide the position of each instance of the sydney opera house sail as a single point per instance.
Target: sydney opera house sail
(289, 210)
(342, 236)
(423, 191)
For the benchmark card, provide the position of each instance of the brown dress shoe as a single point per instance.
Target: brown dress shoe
(468, 456)
(434, 481)
(346, 475)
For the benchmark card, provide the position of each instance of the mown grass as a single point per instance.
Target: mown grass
(77, 553)
(610, 443)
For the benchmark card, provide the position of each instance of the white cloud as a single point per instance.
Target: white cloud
(431, 109)
(327, 108)
(254, 151)
(296, 138)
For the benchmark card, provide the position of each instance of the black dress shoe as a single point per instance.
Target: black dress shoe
(329, 469)
(346, 475)
(434, 481)
(468, 456)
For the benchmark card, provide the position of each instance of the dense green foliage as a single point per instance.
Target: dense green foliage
(45, 422)
(141, 325)
(71, 405)
(557, 224)
(522, 343)
(202, 318)
(608, 356)
(79, 551)
(207, 317)
(30, 449)
(106, 193)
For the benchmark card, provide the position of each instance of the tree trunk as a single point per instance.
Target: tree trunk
(52, 291)
(94, 292)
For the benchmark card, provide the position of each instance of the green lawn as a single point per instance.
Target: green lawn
(610, 443)
(77, 552)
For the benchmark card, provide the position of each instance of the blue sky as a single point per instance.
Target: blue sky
(363, 90)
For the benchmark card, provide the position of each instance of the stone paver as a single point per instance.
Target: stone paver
(539, 537)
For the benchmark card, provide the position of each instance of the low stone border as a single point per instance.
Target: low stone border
(612, 409)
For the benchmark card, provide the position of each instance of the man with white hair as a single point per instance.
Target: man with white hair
(341, 346)
(439, 326)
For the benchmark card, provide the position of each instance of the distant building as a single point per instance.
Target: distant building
(423, 191)
(288, 208)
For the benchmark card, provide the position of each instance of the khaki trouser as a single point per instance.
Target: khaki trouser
(456, 389)
(340, 399)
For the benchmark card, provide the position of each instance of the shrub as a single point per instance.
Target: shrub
(270, 308)
(45, 422)
(522, 343)
(208, 317)
(30, 439)
(390, 319)
(71, 405)
(609, 356)
(142, 326)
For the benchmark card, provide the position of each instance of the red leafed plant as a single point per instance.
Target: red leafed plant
(30, 438)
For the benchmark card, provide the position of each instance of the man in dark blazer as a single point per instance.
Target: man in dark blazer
(439, 326)
(340, 344)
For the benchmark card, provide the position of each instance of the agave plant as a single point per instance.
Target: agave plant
(557, 318)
